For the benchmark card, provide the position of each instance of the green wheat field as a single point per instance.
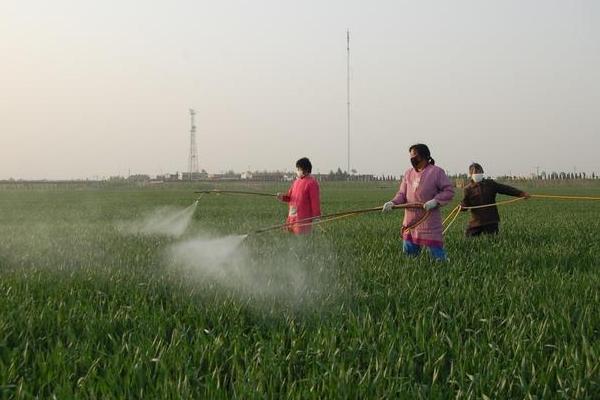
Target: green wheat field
(94, 304)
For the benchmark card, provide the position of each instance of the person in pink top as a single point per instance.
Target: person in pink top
(428, 184)
(303, 198)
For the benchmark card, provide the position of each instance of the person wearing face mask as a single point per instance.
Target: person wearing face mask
(481, 191)
(303, 199)
(423, 183)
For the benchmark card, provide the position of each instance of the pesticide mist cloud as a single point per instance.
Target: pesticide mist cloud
(265, 275)
(168, 221)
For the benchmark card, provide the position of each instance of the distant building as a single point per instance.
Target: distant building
(138, 178)
(228, 176)
(246, 175)
(194, 176)
(268, 176)
(171, 177)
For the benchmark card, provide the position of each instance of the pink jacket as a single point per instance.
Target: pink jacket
(430, 183)
(304, 202)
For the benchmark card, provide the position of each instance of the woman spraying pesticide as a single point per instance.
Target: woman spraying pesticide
(303, 198)
(423, 183)
(479, 193)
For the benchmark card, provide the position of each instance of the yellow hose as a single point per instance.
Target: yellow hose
(452, 216)
(550, 196)
(456, 211)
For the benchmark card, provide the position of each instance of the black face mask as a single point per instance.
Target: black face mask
(415, 161)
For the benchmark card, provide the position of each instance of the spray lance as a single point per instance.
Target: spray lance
(219, 191)
(323, 218)
(344, 214)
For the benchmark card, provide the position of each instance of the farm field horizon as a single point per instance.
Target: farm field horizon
(96, 305)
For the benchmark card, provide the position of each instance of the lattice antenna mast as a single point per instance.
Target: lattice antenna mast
(193, 161)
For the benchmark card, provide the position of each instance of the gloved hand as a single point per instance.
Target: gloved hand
(430, 205)
(387, 206)
(279, 196)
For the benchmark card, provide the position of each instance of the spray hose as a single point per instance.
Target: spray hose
(344, 214)
(448, 221)
(219, 191)
(324, 218)
(456, 210)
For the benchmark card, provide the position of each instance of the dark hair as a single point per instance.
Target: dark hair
(422, 150)
(476, 167)
(304, 164)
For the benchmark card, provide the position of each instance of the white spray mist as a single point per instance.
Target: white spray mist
(266, 276)
(166, 221)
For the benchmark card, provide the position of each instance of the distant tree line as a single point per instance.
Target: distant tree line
(340, 175)
(337, 175)
(557, 176)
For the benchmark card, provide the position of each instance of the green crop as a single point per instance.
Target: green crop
(90, 312)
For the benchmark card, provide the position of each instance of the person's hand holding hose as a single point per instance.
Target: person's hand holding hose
(387, 207)
(430, 205)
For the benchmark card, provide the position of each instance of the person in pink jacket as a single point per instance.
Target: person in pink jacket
(303, 198)
(428, 184)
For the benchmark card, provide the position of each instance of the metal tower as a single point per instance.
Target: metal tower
(193, 161)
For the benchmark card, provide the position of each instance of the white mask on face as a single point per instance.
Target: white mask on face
(477, 177)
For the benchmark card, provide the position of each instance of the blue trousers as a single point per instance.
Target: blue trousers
(411, 249)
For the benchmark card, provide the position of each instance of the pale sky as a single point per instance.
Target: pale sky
(98, 88)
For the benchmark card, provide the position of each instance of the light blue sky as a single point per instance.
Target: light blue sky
(95, 88)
